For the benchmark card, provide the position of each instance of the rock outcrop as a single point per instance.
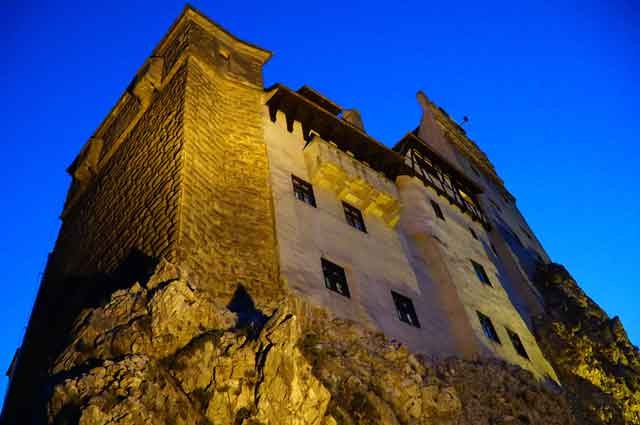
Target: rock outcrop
(591, 353)
(163, 352)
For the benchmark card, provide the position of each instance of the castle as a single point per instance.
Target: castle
(279, 190)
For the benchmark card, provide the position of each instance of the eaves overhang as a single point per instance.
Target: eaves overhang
(331, 127)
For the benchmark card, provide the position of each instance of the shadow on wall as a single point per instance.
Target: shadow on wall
(527, 257)
(249, 317)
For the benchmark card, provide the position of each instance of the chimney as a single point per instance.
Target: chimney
(352, 116)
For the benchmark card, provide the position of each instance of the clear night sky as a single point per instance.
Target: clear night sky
(551, 90)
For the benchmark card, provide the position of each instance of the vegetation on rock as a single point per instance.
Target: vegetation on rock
(591, 353)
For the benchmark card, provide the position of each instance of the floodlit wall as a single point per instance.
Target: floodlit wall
(415, 254)
(375, 261)
(453, 250)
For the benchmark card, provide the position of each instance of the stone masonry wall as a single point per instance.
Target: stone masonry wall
(131, 205)
(133, 202)
(227, 236)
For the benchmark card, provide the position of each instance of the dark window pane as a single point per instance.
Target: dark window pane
(303, 191)
(473, 233)
(437, 210)
(527, 234)
(404, 307)
(487, 327)
(481, 273)
(334, 278)
(354, 217)
(517, 344)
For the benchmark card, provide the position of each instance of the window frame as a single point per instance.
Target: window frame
(437, 210)
(517, 343)
(475, 170)
(404, 306)
(487, 328)
(306, 193)
(331, 271)
(481, 273)
(526, 233)
(354, 217)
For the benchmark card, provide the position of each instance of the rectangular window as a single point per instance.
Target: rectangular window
(515, 237)
(527, 234)
(473, 233)
(354, 217)
(303, 191)
(334, 278)
(496, 206)
(405, 309)
(481, 273)
(517, 343)
(487, 327)
(437, 210)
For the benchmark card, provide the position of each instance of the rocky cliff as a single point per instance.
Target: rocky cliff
(161, 351)
(591, 353)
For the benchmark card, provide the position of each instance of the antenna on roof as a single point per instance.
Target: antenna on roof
(465, 120)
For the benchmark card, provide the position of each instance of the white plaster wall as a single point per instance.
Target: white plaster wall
(375, 262)
(518, 260)
(385, 259)
(459, 248)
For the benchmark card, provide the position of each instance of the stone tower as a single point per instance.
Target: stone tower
(235, 254)
(177, 170)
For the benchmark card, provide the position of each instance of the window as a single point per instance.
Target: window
(482, 275)
(473, 233)
(496, 206)
(405, 309)
(354, 217)
(303, 191)
(466, 197)
(493, 248)
(527, 234)
(437, 210)
(487, 327)
(334, 278)
(515, 236)
(517, 343)
(475, 170)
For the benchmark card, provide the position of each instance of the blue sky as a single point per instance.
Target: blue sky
(551, 90)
